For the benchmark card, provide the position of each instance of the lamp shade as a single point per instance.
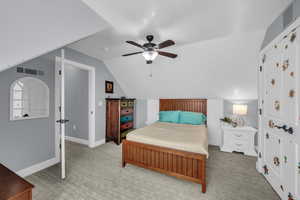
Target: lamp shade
(239, 109)
(150, 55)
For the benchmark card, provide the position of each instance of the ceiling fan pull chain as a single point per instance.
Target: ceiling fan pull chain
(150, 75)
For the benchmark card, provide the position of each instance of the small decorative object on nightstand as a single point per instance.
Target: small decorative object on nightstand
(239, 139)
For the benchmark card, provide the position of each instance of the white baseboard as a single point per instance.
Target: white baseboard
(37, 167)
(149, 122)
(85, 142)
(258, 168)
(77, 140)
(98, 143)
(213, 143)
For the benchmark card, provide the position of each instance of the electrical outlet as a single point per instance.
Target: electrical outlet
(74, 127)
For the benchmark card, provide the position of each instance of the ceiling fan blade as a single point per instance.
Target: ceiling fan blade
(135, 44)
(129, 54)
(170, 55)
(166, 43)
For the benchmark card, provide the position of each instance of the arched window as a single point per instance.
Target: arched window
(29, 99)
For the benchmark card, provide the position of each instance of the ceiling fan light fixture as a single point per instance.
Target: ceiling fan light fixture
(150, 55)
(151, 50)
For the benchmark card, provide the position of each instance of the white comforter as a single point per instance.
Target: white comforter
(191, 138)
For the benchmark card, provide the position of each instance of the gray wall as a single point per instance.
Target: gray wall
(28, 142)
(251, 118)
(290, 14)
(102, 74)
(77, 102)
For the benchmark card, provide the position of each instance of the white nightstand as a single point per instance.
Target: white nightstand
(239, 139)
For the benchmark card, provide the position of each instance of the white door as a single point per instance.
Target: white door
(279, 115)
(60, 106)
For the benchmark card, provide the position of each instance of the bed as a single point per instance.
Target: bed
(183, 155)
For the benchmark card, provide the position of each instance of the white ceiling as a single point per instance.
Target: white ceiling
(220, 68)
(185, 22)
(217, 42)
(33, 27)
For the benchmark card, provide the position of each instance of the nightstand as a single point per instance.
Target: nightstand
(239, 139)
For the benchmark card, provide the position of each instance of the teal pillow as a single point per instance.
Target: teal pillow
(192, 118)
(169, 116)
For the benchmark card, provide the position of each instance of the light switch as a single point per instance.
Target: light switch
(100, 103)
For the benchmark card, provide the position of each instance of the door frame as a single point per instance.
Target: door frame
(92, 93)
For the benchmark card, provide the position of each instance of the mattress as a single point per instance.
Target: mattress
(191, 138)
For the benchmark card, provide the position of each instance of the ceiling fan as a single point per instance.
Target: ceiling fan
(152, 50)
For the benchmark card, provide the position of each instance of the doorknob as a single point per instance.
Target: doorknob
(290, 130)
(281, 127)
(62, 121)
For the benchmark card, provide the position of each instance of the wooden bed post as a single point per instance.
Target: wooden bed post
(123, 153)
(203, 173)
(203, 187)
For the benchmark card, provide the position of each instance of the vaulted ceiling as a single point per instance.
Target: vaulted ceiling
(217, 42)
(220, 68)
(33, 27)
(186, 22)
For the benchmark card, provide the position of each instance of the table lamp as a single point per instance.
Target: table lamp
(238, 111)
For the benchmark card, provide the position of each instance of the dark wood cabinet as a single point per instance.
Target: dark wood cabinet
(119, 118)
(13, 187)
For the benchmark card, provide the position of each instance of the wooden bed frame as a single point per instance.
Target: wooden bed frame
(181, 164)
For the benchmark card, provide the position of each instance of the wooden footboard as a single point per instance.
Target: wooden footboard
(181, 164)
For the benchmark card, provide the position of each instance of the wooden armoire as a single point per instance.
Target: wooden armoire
(279, 133)
(119, 118)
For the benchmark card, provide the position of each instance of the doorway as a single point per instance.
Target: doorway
(74, 105)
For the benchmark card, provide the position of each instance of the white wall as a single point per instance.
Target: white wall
(215, 111)
(152, 111)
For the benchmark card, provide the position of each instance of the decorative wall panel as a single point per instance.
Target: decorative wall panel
(279, 119)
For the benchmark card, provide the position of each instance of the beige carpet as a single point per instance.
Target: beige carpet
(96, 174)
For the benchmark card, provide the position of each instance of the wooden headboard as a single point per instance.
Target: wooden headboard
(192, 105)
